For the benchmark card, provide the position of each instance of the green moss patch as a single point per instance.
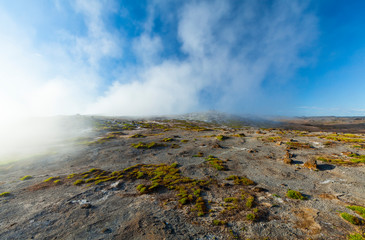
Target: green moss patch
(216, 163)
(26, 177)
(237, 180)
(356, 236)
(295, 195)
(358, 209)
(351, 219)
(222, 137)
(142, 145)
(4, 194)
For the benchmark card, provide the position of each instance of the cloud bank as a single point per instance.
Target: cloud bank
(180, 57)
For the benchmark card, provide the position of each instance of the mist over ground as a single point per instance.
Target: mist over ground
(172, 57)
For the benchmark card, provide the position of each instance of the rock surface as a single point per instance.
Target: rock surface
(116, 209)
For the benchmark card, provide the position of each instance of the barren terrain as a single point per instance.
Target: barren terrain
(177, 179)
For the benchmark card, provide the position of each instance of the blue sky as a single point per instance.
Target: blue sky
(109, 57)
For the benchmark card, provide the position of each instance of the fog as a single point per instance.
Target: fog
(24, 138)
(67, 58)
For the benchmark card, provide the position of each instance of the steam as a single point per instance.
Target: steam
(229, 52)
(209, 55)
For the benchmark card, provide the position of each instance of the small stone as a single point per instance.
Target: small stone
(258, 189)
(106, 230)
(216, 145)
(86, 206)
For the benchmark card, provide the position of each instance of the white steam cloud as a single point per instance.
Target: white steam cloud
(227, 50)
(223, 53)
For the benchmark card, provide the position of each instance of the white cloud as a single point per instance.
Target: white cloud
(230, 50)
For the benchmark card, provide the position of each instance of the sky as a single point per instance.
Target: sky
(133, 58)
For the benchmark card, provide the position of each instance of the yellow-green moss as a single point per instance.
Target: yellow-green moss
(237, 180)
(4, 194)
(358, 209)
(295, 195)
(51, 179)
(351, 219)
(26, 177)
(221, 137)
(79, 182)
(167, 140)
(249, 202)
(356, 236)
(150, 145)
(137, 136)
(216, 163)
(251, 217)
(219, 222)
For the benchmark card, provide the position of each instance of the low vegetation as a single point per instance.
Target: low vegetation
(142, 145)
(216, 163)
(358, 209)
(51, 179)
(298, 145)
(237, 180)
(295, 195)
(4, 194)
(347, 138)
(221, 137)
(26, 177)
(351, 219)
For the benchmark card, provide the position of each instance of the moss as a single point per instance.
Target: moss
(79, 182)
(57, 181)
(237, 180)
(137, 136)
(298, 145)
(295, 195)
(51, 179)
(26, 177)
(197, 192)
(184, 141)
(231, 199)
(141, 188)
(200, 154)
(4, 194)
(221, 137)
(200, 206)
(272, 139)
(216, 163)
(150, 145)
(167, 140)
(184, 200)
(352, 219)
(219, 222)
(358, 209)
(356, 236)
(174, 165)
(71, 175)
(348, 138)
(249, 202)
(174, 145)
(251, 217)
(140, 175)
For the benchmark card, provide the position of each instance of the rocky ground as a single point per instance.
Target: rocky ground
(176, 179)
